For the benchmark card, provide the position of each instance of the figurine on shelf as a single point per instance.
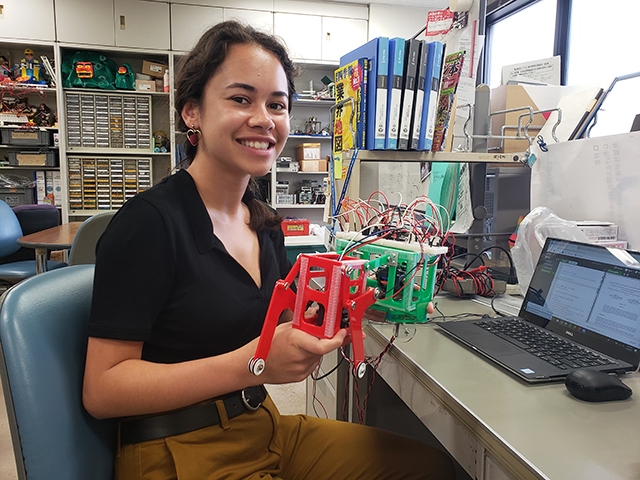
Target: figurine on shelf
(5, 70)
(28, 70)
(160, 142)
(44, 117)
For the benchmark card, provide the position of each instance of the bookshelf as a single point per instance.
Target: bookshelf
(28, 155)
(310, 121)
(107, 150)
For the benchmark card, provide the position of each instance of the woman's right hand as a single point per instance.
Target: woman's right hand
(295, 354)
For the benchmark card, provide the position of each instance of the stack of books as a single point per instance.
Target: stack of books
(403, 95)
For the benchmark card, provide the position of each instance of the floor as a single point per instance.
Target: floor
(290, 399)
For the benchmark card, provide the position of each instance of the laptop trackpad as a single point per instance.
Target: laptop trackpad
(493, 346)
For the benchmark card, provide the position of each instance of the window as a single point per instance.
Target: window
(597, 55)
(523, 36)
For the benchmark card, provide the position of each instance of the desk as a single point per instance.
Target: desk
(54, 238)
(498, 427)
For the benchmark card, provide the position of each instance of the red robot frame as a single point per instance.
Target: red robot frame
(338, 287)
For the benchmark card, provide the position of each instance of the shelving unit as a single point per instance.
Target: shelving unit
(28, 154)
(107, 153)
(305, 107)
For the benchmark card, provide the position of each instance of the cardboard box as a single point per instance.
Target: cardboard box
(507, 97)
(599, 231)
(308, 151)
(153, 69)
(29, 158)
(146, 85)
(313, 165)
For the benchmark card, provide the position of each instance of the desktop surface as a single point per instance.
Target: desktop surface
(532, 431)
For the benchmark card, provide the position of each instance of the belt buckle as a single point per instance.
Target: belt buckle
(246, 399)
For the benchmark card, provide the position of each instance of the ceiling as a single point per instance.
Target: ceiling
(431, 4)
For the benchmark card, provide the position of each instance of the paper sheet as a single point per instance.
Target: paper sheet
(592, 179)
(546, 70)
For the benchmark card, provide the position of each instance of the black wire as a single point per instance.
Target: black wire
(512, 268)
(329, 372)
(495, 309)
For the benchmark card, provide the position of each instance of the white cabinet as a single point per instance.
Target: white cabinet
(122, 23)
(189, 22)
(341, 35)
(319, 38)
(36, 24)
(142, 25)
(260, 20)
(301, 33)
(85, 21)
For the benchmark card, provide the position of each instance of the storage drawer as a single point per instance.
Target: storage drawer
(16, 195)
(38, 159)
(25, 137)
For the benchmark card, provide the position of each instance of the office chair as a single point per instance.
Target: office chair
(12, 269)
(83, 250)
(43, 342)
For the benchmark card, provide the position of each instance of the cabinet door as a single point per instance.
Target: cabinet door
(37, 25)
(302, 34)
(85, 21)
(261, 20)
(189, 22)
(341, 35)
(142, 24)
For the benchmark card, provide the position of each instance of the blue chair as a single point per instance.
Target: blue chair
(43, 341)
(10, 231)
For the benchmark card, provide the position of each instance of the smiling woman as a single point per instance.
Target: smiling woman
(184, 275)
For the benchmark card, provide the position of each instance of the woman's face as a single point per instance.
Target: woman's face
(243, 117)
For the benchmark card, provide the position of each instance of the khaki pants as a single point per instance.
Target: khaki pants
(265, 445)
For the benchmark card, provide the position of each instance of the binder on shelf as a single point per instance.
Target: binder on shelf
(49, 190)
(419, 97)
(377, 52)
(412, 54)
(350, 82)
(448, 86)
(432, 86)
(57, 188)
(394, 91)
(40, 187)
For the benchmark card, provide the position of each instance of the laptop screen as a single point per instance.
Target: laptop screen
(590, 294)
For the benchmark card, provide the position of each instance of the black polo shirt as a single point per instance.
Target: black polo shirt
(164, 278)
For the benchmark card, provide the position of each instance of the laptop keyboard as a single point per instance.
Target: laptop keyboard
(547, 346)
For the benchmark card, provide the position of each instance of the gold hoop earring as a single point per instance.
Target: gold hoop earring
(193, 135)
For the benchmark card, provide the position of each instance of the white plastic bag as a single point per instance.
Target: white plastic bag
(533, 231)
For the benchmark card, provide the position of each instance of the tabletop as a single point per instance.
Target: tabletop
(537, 431)
(59, 237)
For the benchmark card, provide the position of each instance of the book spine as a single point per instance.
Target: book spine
(57, 188)
(396, 67)
(448, 86)
(382, 82)
(432, 86)
(361, 104)
(408, 93)
(41, 187)
(419, 103)
(48, 181)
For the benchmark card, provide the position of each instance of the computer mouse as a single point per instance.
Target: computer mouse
(593, 386)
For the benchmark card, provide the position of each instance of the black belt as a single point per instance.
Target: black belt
(191, 418)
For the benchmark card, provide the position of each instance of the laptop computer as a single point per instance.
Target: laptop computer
(583, 308)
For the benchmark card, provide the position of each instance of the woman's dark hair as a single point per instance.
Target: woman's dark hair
(197, 68)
